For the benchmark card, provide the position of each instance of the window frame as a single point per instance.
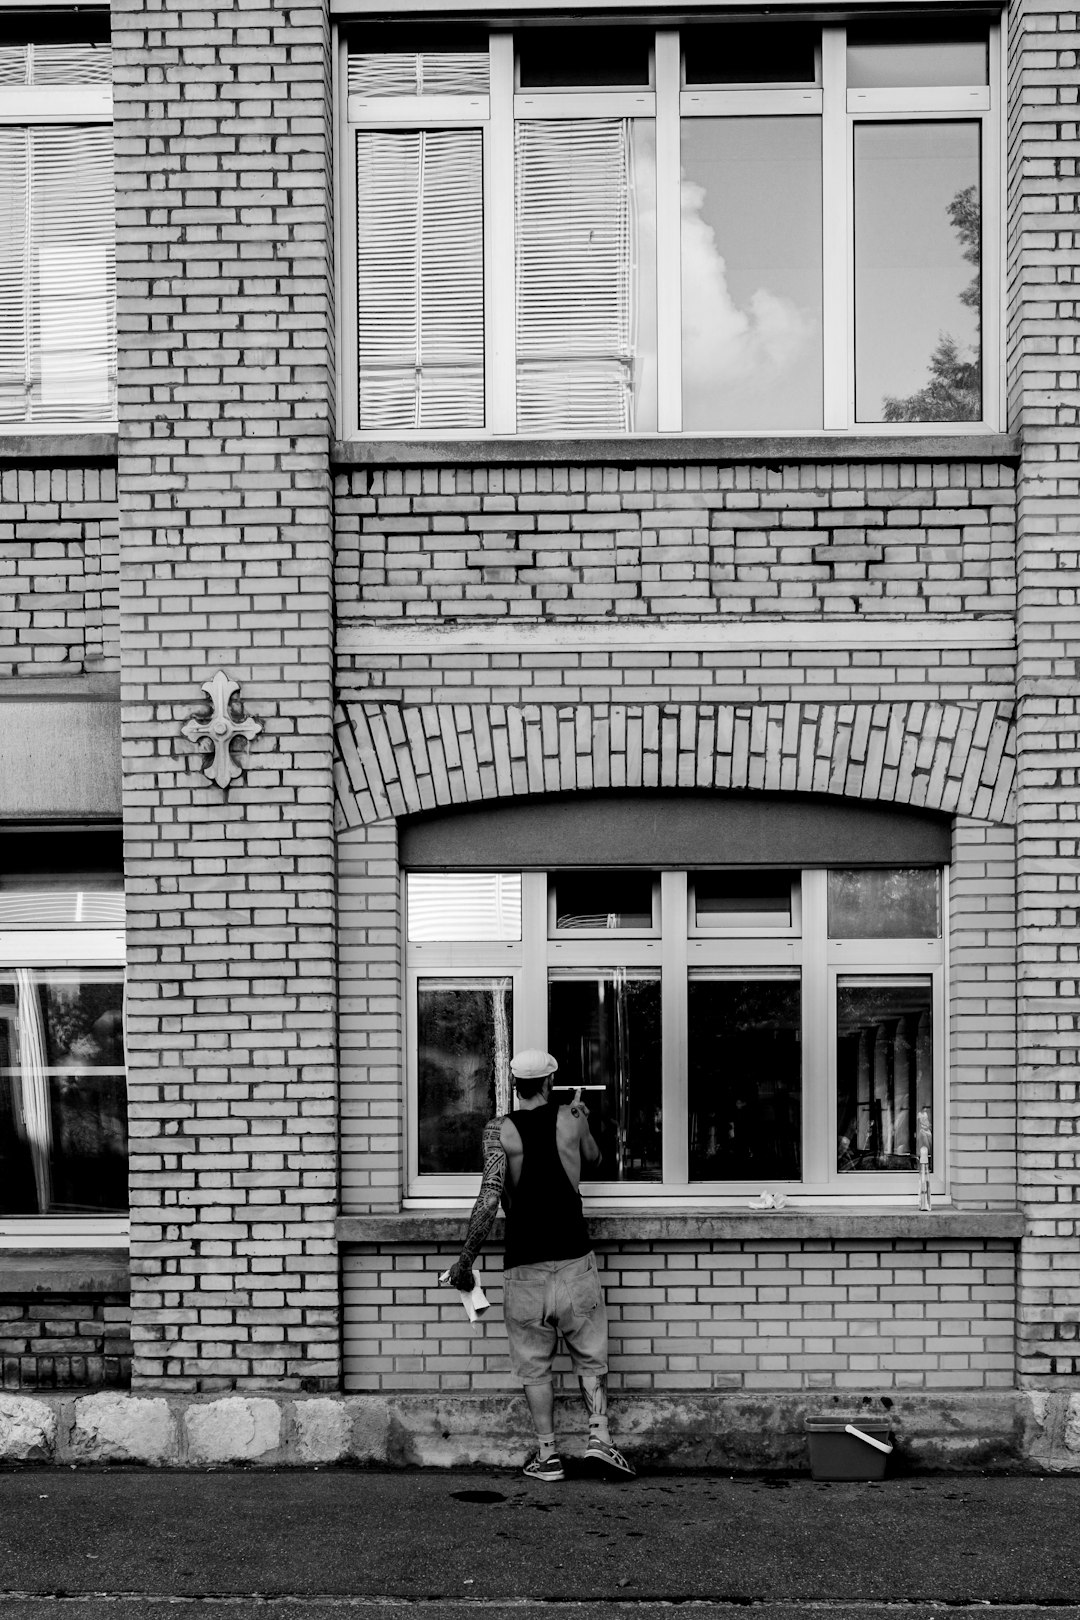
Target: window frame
(669, 100)
(94, 949)
(50, 105)
(815, 960)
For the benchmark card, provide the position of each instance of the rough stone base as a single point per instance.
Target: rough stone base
(1008, 1430)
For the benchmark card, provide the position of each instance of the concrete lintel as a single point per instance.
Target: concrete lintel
(65, 1271)
(55, 449)
(651, 449)
(87, 687)
(361, 638)
(690, 1226)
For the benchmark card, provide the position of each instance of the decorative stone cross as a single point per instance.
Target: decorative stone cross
(218, 731)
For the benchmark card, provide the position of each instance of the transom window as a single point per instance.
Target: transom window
(715, 228)
(732, 1030)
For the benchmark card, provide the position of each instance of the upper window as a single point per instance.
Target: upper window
(717, 228)
(731, 1029)
(63, 1096)
(57, 261)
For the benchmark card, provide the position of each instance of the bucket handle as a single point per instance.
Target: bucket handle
(878, 1445)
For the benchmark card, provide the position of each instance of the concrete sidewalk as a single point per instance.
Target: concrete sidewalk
(480, 1541)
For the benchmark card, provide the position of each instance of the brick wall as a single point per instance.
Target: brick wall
(225, 298)
(982, 1120)
(752, 1315)
(1044, 263)
(551, 542)
(56, 1341)
(59, 569)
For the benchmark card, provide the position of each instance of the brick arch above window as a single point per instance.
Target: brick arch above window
(399, 759)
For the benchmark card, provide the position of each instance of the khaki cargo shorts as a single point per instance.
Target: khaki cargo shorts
(541, 1301)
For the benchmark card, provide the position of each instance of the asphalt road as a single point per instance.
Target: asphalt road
(311, 1546)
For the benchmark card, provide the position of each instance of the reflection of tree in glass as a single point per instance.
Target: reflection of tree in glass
(954, 391)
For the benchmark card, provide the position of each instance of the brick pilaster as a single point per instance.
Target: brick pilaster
(225, 256)
(1044, 260)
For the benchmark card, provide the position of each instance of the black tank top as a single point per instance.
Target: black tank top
(544, 1219)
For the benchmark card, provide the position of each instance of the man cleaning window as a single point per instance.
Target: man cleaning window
(532, 1164)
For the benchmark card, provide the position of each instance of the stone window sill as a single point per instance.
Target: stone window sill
(64, 1271)
(81, 449)
(690, 1226)
(658, 448)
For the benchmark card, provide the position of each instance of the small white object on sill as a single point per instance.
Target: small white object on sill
(768, 1200)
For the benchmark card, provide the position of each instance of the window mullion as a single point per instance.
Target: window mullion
(818, 1105)
(673, 922)
(668, 233)
(530, 1017)
(500, 368)
(837, 335)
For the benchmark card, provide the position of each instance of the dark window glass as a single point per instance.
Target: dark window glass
(890, 58)
(605, 1033)
(743, 899)
(604, 901)
(884, 1074)
(745, 1080)
(463, 1041)
(889, 902)
(63, 1109)
(750, 53)
(583, 58)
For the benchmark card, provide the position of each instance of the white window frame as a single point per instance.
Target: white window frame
(23, 105)
(670, 102)
(803, 952)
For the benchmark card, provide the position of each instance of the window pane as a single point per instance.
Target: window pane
(605, 1034)
(743, 899)
(586, 275)
(63, 1109)
(884, 1074)
(57, 274)
(751, 273)
(463, 1035)
(428, 61)
(884, 59)
(891, 902)
(918, 278)
(745, 1080)
(603, 900)
(420, 278)
(464, 905)
(583, 58)
(750, 53)
(40, 903)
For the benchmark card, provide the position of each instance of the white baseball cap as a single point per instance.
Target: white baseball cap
(532, 1064)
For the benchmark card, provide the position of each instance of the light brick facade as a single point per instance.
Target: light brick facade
(891, 623)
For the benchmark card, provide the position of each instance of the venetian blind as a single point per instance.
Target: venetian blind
(57, 274)
(418, 73)
(574, 237)
(420, 279)
(44, 62)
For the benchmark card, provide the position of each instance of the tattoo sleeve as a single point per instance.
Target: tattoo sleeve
(486, 1206)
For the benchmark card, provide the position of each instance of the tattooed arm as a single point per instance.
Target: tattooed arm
(486, 1207)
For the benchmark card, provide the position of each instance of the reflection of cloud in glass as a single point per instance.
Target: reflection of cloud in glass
(723, 343)
(751, 273)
